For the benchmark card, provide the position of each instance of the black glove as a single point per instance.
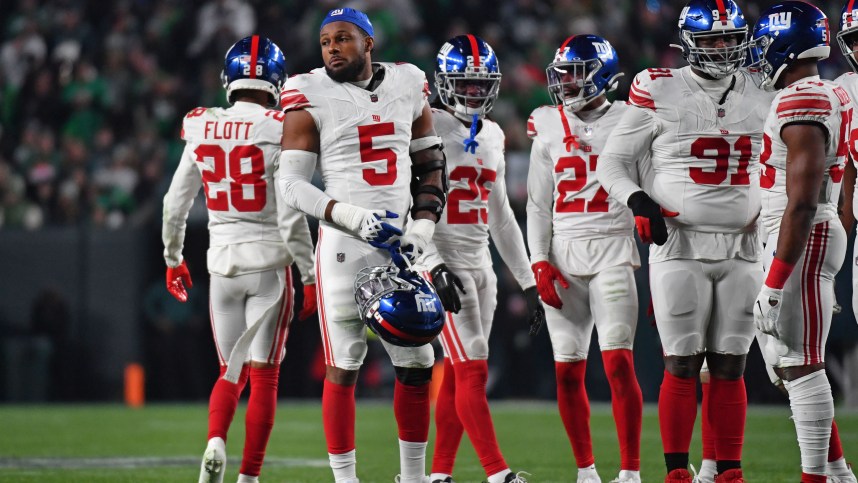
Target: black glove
(445, 283)
(643, 206)
(537, 312)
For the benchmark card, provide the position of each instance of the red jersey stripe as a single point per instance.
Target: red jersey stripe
(804, 104)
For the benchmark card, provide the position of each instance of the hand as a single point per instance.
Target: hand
(537, 312)
(417, 236)
(546, 274)
(175, 278)
(767, 310)
(649, 218)
(401, 260)
(368, 224)
(446, 283)
(309, 308)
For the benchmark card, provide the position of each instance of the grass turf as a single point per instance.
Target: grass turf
(163, 443)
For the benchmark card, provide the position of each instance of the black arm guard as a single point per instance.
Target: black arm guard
(419, 180)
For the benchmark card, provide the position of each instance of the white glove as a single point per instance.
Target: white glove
(767, 310)
(417, 237)
(368, 224)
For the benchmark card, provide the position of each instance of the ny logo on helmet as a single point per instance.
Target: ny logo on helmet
(425, 302)
(780, 20)
(603, 48)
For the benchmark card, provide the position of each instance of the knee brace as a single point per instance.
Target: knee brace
(413, 376)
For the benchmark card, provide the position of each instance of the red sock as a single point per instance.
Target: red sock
(808, 478)
(448, 428)
(411, 408)
(223, 401)
(575, 409)
(473, 410)
(706, 427)
(835, 449)
(338, 417)
(627, 405)
(677, 410)
(260, 417)
(728, 415)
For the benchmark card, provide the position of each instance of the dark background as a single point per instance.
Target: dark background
(91, 99)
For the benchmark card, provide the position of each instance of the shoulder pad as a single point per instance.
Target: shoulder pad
(537, 118)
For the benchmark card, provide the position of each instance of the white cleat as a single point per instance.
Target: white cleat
(516, 477)
(588, 475)
(840, 472)
(398, 479)
(707, 473)
(214, 462)
(628, 476)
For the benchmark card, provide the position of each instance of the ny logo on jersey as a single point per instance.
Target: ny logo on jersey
(780, 20)
(603, 49)
(376, 118)
(425, 302)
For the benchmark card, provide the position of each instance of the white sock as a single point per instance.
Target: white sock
(247, 479)
(708, 468)
(439, 476)
(499, 476)
(344, 466)
(812, 411)
(412, 461)
(838, 468)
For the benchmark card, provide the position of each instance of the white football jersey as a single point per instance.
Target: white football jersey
(233, 154)
(561, 183)
(808, 100)
(477, 201)
(704, 154)
(849, 83)
(364, 135)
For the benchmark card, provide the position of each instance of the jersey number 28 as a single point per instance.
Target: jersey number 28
(221, 200)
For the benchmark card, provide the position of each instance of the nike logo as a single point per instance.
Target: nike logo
(802, 88)
(759, 306)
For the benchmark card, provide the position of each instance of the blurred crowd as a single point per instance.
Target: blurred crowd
(92, 93)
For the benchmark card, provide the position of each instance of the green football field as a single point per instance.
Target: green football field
(163, 443)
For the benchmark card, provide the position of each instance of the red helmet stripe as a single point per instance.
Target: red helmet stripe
(722, 11)
(851, 6)
(565, 43)
(475, 50)
(254, 53)
(416, 339)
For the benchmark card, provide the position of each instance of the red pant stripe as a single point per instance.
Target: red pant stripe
(323, 320)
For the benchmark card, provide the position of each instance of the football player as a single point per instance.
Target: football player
(703, 126)
(467, 77)
(369, 128)
(804, 152)
(254, 238)
(583, 240)
(847, 38)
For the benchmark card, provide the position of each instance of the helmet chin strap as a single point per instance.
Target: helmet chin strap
(471, 143)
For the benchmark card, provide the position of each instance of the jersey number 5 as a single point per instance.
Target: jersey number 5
(374, 176)
(599, 203)
(221, 200)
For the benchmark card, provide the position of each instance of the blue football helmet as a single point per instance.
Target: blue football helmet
(713, 18)
(584, 67)
(467, 75)
(786, 32)
(398, 305)
(254, 63)
(849, 26)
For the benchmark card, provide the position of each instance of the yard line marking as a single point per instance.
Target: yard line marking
(138, 462)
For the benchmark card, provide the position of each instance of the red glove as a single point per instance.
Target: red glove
(175, 278)
(546, 274)
(643, 226)
(309, 307)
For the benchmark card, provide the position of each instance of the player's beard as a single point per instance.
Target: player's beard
(350, 72)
